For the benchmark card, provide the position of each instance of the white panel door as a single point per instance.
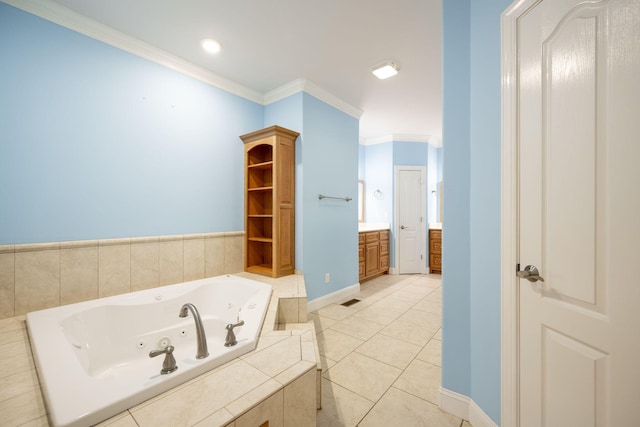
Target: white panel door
(579, 213)
(409, 224)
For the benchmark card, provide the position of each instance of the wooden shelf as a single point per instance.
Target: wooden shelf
(263, 165)
(260, 239)
(269, 201)
(262, 269)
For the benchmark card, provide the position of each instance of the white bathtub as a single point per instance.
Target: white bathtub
(93, 357)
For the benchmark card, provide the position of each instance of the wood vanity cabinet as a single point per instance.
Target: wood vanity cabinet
(373, 254)
(269, 161)
(435, 251)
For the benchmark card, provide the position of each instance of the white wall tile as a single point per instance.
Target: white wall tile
(7, 285)
(270, 410)
(37, 276)
(300, 401)
(114, 269)
(194, 259)
(144, 264)
(214, 255)
(233, 253)
(78, 274)
(171, 257)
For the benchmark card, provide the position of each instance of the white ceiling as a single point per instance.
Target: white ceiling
(331, 43)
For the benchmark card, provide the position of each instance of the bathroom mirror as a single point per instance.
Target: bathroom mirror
(360, 201)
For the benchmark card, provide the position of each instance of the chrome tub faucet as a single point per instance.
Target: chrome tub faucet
(202, 338)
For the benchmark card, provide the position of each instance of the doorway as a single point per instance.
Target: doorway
(569, 209)
(410, 219)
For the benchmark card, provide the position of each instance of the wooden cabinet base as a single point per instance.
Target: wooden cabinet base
(435, 251)
(373, 254)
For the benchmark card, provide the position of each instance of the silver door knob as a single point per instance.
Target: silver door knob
(530, 273)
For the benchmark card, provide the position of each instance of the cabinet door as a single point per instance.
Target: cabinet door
(372, 258)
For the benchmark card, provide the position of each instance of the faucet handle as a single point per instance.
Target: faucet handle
(169, 364)
(231, 336)
(230, 326)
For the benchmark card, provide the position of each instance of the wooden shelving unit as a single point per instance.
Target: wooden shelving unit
(270, 201)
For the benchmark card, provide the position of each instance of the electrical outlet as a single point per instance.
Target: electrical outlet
(327, 278)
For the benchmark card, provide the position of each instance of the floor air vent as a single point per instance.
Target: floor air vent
(350, 302)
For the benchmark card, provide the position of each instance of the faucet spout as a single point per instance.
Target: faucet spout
(202, 338)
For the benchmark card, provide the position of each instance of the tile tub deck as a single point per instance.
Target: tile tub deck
(283, 371)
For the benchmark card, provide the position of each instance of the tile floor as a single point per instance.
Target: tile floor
(381, 356)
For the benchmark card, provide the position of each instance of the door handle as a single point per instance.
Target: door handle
(530, 273)
(402, 227)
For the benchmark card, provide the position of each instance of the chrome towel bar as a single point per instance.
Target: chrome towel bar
(346, 199)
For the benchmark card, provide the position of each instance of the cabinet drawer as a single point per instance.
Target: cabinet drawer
(435, 246)
(384, 247)
(361, 253)
(373, 236)
(361, 269)
(361, 238)
(435, 234)
(435, 263)
(384, 235)
(384, 262)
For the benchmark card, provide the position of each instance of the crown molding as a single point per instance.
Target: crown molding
(329, 98)
(67, 18)
(401, 137)
(58, 14)
(304, 85)
(284, 91)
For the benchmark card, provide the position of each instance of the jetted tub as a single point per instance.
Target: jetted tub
(93, 357)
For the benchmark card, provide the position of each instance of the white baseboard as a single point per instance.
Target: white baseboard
(395, 271)
(464, 407)
(333, 297)
(454, 403)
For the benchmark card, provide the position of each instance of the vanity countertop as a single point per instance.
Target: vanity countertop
(435, 226)
(373, 226)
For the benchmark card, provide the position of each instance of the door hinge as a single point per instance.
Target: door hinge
(421, 257)
(517, 267)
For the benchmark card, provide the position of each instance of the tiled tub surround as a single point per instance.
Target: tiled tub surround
(277, 381)
(44, 275)
(93, 358)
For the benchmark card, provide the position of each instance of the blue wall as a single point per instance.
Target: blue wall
(362, 162)
(377, 165)
(471, 253)
(326, 230)
(379, 176)
(456, 339)
(288, 113)
(330, 230)
(98, 143)
(485, 204)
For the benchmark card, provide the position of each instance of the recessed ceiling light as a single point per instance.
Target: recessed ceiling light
(211, 45)
(385, 70)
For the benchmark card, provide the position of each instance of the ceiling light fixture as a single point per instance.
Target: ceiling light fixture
(385, 70)
(211, 45)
